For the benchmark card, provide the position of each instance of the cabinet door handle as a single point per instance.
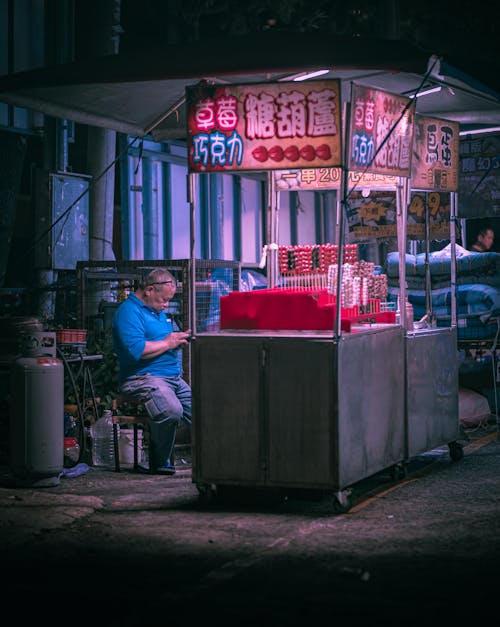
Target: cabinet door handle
(264, 356)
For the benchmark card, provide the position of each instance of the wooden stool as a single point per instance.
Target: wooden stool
(137, 419)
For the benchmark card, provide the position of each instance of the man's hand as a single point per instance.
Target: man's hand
(178, 338)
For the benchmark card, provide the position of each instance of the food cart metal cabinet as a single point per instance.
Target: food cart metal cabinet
(432, 391)
(300, 410)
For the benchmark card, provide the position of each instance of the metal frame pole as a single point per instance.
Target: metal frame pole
(272, 230)
(191, 193)
(401, 210)
(453, 277)
(344, 182)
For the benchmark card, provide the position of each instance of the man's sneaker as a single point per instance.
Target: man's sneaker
(169, 469)
(161, 470)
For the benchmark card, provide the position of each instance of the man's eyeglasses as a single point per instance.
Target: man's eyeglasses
(162, 283)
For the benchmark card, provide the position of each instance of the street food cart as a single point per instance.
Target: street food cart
(283, 399)
(283, 405)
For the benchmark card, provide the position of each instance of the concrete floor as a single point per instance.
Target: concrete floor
(127, 549)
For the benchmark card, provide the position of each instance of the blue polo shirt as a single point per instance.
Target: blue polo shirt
(133, 324)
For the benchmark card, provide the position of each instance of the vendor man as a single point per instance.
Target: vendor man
(484, 240)
(149, 369)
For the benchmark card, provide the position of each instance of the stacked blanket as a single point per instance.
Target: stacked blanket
(477, 289)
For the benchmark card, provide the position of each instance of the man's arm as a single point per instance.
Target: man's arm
(171, 341)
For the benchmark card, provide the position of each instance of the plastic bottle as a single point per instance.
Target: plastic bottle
(103, 454)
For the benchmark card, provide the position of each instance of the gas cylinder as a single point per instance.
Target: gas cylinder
(37, 421)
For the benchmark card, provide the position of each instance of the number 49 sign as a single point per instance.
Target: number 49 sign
(266, 126)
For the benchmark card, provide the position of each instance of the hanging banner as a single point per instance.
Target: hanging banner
(380, 132)
(264, 126)
(434, 165)
(374, 216)
(329, 178)
(479, 182)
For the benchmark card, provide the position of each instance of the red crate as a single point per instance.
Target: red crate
(71, 336)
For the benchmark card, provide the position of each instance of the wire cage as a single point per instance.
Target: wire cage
(103, 285)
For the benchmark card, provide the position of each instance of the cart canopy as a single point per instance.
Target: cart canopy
(142, 92)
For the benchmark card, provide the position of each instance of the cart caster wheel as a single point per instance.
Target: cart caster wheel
(399, 471)
(341, 502)
(456, 451)
(207, 494)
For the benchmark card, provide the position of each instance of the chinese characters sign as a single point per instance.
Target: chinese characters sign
(479, 183)
(435, 154)
(381, 130)
(329, 178)
(264, 126)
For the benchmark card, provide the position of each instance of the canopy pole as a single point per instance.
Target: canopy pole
(340, 249)
(401, 211)
(341, 206)
(272, 230)
(191, 194)
(428, 282)
(453, 277)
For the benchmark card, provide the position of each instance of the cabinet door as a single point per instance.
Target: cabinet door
(432, 390)
(301, 428)
(227, 403)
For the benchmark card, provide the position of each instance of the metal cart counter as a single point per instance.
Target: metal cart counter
(432, 391)
(285, 409)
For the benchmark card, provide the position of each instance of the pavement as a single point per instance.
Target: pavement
(129, 549)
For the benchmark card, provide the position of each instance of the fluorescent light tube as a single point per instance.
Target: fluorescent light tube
(304, 77)
(476, 131)
(432, 90)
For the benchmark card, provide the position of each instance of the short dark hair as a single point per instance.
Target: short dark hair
(484, 229)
